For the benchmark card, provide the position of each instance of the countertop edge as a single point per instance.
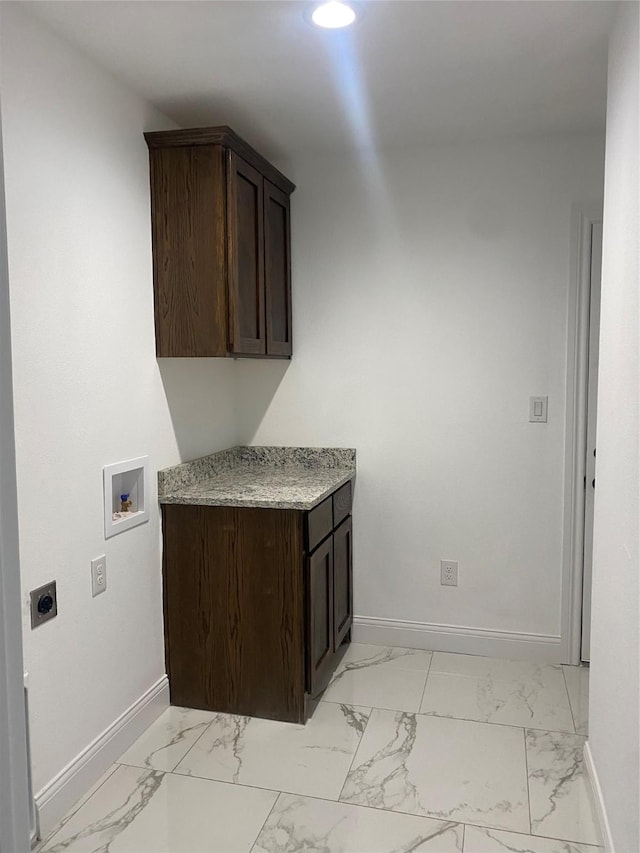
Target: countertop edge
(186, 475)
(185, 499)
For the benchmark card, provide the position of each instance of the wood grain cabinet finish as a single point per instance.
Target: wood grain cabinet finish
(234, 610)
(320, 633)
(342, 581)
(245, 260)
(254, 618)
(277, 271)
(221, 234)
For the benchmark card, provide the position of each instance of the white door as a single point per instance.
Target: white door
(590, 461)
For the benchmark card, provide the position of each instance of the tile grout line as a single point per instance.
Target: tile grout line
(534, 837)
(424, 689)
(201, 735)
(39, 848)
(357, 749)
(383, 809)
(462, 719)
(526, 770)
(255, 840)
(235, 784)
(566, 687)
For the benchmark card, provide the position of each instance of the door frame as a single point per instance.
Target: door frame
(583, 217)
(15, 806)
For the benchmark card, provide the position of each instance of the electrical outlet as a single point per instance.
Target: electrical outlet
(98, 575)
(449, 572)
(44, 604)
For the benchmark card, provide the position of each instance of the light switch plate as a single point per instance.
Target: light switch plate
(538, 407)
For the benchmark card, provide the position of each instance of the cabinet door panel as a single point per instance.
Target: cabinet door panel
(246, 258)
(277, 270)
(188, 219)
(342, 580)
(234, 609)
(319, 584)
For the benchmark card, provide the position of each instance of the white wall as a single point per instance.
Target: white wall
(614, 720)
(88, 390)
(430, 301)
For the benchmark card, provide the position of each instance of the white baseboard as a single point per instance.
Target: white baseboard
(597, 799)
(456, 638)
(57, 796)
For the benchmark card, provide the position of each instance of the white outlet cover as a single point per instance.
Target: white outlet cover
(132, 478)
(449, 572)
(98, 575)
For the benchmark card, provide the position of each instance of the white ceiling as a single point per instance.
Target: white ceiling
(410, 72)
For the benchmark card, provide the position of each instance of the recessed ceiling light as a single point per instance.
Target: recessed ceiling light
(333, 15)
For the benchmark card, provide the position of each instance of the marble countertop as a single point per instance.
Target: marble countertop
(272, 477)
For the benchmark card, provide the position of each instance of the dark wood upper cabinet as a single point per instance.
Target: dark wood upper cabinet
(221, 246)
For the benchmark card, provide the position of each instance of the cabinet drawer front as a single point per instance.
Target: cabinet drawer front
(319, 524)
(341, 503)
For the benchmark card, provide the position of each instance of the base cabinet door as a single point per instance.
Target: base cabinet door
(319, 584)
(342, 581)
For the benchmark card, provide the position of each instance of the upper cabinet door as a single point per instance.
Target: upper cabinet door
(277, 262)
(189, 232)
(245, 257)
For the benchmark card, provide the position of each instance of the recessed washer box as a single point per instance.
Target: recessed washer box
(125, 478)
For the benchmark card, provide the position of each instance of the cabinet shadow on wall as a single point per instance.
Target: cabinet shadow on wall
(216, 403)
(256, 386)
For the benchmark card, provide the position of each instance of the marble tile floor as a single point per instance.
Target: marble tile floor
(407, 751)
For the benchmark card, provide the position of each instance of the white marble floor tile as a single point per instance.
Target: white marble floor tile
(577, 678)
(380, 676)
(318, 826)
(477, 840)
(437, 767)
(146, 810)
(313, 759)
(168, 739)
(43, 843)
(560, 803)
(389, 657)
(515, 693)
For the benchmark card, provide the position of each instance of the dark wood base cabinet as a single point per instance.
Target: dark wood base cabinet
(257, 603)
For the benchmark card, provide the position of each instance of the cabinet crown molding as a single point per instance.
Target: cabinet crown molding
(228, 138)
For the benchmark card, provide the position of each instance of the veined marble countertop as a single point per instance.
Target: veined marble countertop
(272, 477)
